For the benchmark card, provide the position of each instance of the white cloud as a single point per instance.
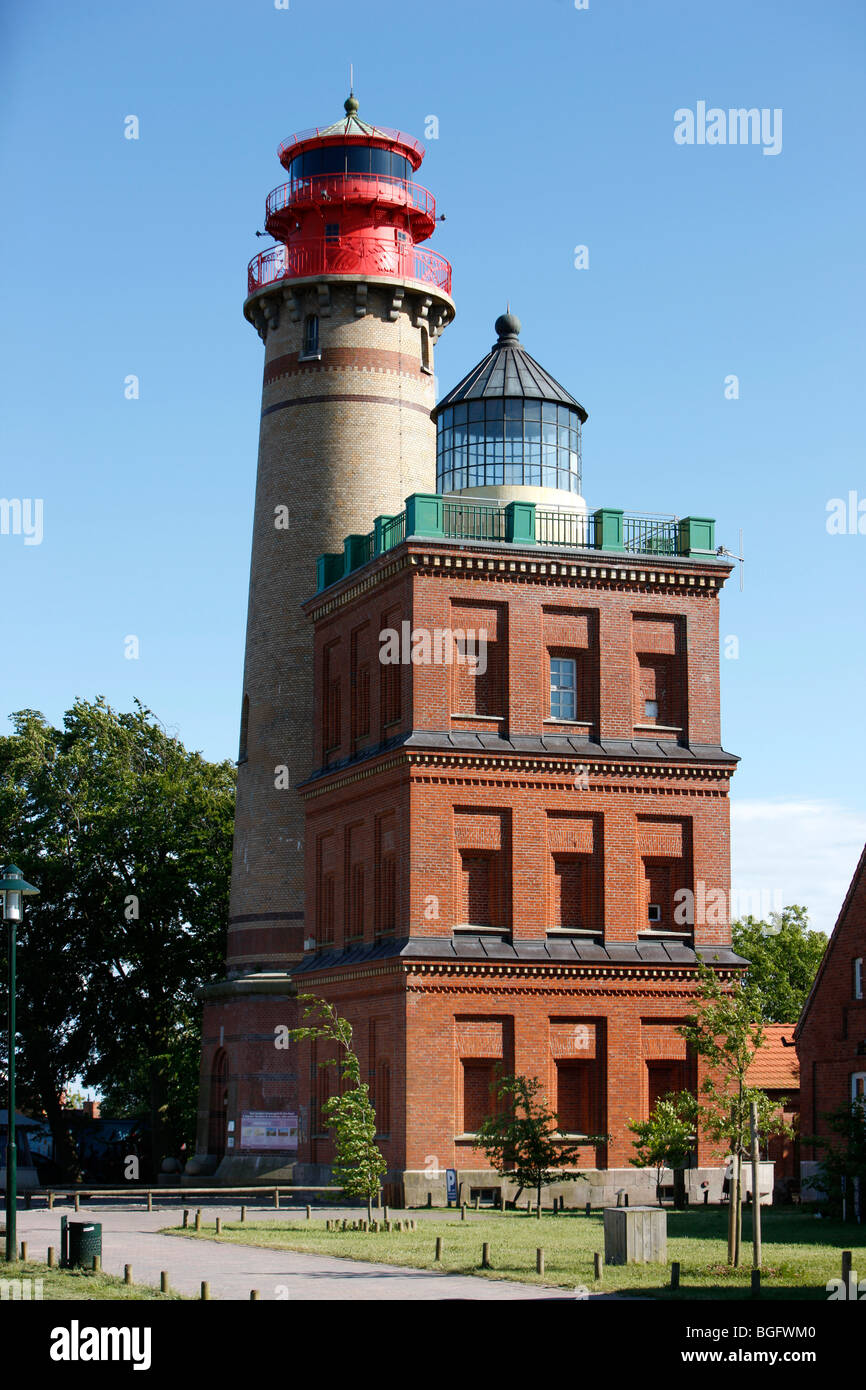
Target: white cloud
(802, 852)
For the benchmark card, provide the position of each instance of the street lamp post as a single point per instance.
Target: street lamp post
(13, 890)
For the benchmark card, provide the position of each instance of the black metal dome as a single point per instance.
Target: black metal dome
(508, 372)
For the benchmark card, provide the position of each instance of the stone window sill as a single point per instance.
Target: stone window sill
(660, 728)
(310, 357)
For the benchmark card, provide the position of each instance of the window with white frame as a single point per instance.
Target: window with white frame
(858, 1086)
(563, 688)
(858, 978)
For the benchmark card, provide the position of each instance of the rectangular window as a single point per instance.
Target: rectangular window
(332, 231)
(664, 1078)
(478, 1097)
(580, 1097)
(563, 688)
(477, 888)
(858, 1086)
(858, 978)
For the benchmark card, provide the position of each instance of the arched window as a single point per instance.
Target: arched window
(311, 336)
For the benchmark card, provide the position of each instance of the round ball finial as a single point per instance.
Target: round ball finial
(507, 326)
(351, 104)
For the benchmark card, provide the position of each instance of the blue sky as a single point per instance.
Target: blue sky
(556, 129)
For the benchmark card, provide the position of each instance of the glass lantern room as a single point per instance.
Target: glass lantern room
(508, 424)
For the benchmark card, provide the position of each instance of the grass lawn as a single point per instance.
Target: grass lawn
(800, 1253)
(78, 1284)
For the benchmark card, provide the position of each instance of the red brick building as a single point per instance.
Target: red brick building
(487, 728)
(494, 856)
(831, 1032)
(776, 1070)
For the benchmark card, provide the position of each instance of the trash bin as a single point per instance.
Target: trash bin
(79, 1242)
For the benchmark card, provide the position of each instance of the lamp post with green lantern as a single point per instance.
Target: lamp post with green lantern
(13, 890)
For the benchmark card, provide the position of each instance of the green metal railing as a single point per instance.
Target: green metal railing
(476, 521)
(430, 515)
(645, 535)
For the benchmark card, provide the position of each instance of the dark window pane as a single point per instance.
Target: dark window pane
(494, 413)
(532, 410)
(476, 410)
(513, 410)
(459, 414)
(549, 410)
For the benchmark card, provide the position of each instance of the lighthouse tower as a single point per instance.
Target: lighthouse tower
(349, 304)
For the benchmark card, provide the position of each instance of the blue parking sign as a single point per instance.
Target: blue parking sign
(451, 1184)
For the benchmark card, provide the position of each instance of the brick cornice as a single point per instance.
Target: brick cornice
(444, 977)
(506, 562)
(534, 774)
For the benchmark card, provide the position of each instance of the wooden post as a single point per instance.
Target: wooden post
(243, 1214)
(51, 1201)
(756, 1188)
(308, 1211)
(539, 1261)
(430, 1198)
(219, 1226)
(185, 1218)
(96, 1264)
(205, 1289)
(163, 1281)
(51, 1257)
(462, 1211)
(477, 1200)
(127, 1274)
(384, 1213)
(756, 1283)
(276, 1199)
(846, 1273)
(588, 1208)
(150, 1201)
(502, 1199)
(198, 1219)
(675, 1274)
(438, 1255)
(24, 1250)
(596, 1264)
(485, 1255)
(77, 1202)
(254, 1294)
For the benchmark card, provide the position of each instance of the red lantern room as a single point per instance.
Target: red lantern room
(350, 207)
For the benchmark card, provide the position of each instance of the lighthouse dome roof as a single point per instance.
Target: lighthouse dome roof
(509, 372)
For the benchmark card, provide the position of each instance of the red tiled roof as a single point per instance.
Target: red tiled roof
(775, 1066)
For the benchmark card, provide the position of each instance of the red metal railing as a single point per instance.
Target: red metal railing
(337, 188)
(380, 132)
(349, 256)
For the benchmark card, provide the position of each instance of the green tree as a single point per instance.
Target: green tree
(727, 1033)
(783, 956)
(358, 1165)
(128, 837)
(843, 1164)
(522, 1139)
(667, 1137)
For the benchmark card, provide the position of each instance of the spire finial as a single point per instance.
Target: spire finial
(350, 105)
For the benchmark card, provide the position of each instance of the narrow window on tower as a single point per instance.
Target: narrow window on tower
(332, 232)
(425, 349)
(311, 336)
(563, 688)
(245, 730)
(858, 978)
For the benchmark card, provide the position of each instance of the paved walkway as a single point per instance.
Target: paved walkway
(130, 1236)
